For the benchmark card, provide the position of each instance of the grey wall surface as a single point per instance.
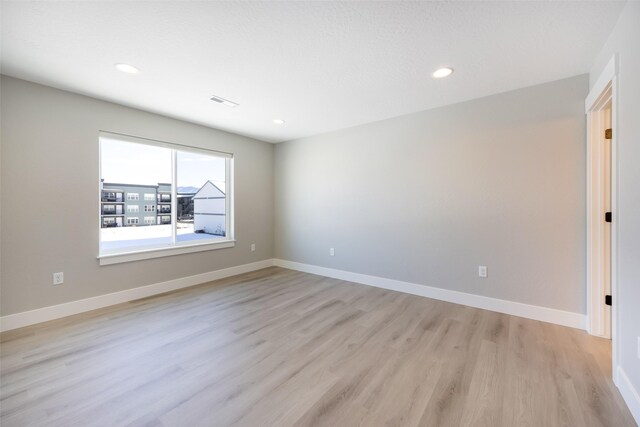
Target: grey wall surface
(624, 41)
(49, 177)
(427, 198)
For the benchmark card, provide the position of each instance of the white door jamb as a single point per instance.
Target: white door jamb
(603, 93)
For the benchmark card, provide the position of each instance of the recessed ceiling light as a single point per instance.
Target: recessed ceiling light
(278, 121)
(442, 72)
(223, 101)
(126, 68)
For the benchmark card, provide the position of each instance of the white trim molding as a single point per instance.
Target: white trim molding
(600, 198)
(545, 314)
(630, 395)
(600, 85)
(162, 252)
(602, 268)
(26, 318)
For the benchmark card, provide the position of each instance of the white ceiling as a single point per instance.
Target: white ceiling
(321, 66)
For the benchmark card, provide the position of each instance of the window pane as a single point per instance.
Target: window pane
(128, 171)
(201, 204)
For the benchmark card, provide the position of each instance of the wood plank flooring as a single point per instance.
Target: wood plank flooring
(282, 348)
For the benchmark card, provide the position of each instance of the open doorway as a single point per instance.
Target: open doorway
(600, 108)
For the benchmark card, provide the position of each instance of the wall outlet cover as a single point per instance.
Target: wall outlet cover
(58, 278)
(482, 271)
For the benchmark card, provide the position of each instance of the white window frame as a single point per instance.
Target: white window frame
(133, 196)
(133, 208)
(149, 197)
(177, 248)
(133, 221)
(149, 208)
(149, 220)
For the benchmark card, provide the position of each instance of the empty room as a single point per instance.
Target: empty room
(319, 213)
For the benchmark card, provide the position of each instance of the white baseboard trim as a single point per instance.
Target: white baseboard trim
(26, 318)
(545, 314)
(19, 320)
(629, 393)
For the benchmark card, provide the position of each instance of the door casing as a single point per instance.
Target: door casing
(602, 96)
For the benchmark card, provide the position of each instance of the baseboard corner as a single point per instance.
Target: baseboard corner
(629, 393)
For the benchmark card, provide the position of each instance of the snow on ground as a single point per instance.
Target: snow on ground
(116, 239)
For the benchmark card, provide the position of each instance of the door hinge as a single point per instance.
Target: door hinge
(607, 299)
(608, 133)
(607, 216)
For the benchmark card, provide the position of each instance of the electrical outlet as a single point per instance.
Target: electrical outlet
(482, 271)
(58, 278)
(253, 247)
(332, 252)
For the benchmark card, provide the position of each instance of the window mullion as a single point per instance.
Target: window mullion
(174, 197)
(228, 194)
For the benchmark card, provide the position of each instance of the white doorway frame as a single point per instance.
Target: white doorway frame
(603, 94)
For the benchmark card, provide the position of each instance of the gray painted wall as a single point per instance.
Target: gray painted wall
(427, 198)
(624, 41)
(49, 212)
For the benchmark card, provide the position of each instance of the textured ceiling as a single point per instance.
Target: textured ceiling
(321, 66)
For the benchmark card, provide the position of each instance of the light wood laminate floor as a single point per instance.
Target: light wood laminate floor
(277, 348)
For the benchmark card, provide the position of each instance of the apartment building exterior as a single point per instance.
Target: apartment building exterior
(133, 205)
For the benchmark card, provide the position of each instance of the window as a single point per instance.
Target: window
(191, 193)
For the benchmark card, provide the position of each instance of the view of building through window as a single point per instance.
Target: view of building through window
(139, 207)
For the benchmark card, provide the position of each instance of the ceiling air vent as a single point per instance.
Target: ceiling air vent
(224, 101)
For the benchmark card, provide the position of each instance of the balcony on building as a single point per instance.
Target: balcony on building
(112, 209)
(112, 221)
(111, 196)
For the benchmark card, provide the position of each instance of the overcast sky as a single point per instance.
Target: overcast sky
(129, 163)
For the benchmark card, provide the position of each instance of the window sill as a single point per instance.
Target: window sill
(118, 258)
